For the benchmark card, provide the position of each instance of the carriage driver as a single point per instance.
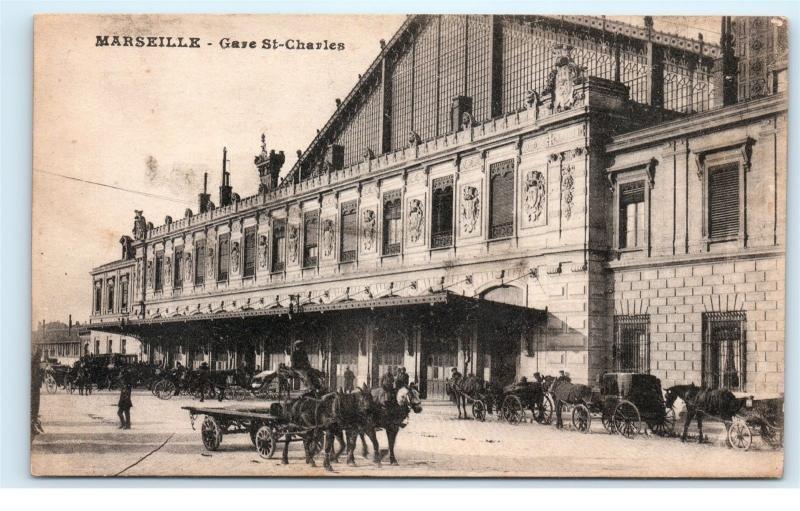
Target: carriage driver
(301, 365)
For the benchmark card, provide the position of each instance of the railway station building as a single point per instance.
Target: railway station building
(504, 195)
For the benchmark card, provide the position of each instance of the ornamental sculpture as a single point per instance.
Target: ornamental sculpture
(470, 208)
(210, 263)
(188, 268)
(416, 217)
(535, 193)
(262, 251)
(269, 167)
(139, 225)
(327, 237)
(294, 237)
(368, 229)
(235, 257)
(567, 190)
(168, 270)
(562, 81)
(150, 273)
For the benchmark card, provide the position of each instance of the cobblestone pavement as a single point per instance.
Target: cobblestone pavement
(81, 439)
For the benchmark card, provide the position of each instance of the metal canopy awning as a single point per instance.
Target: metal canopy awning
(453, 307)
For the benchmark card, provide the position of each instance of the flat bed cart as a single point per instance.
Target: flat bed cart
(266, 429)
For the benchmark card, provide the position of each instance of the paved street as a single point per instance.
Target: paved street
(81, 439)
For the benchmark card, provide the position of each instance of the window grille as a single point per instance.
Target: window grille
(249, 266)
(349, 231)
(224, 257)
(631, 349)
(310, 238)
(724, 350)
(177, 274)
(501, 205)
(278, 245)
(442, 212)
(200, 262)
(159, 270)
(392, 223)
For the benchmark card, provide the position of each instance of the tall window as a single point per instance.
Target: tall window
(278, 245)
(501, 200)
(631, 349)
(110, 295)
(310, 238)
(249, 266)
(442, 212)
(200, 262)
(224, 257)
(123, 293)
(159, 283)
(97, 346)
(723, 201)
(724, 350)
(349, 231)
(98, 295)
(392, 223)
(109, 345)
(632, 228)
(122, 346)
(177, 274)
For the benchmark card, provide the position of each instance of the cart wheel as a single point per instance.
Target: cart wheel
(165, 390)
(479, 410)
(739, 435)
(512, 410)
(626, 419)
(546, 416)
(667, 425)
(581, 419)
(607, 418)
(211, 433)
(265, 442)
(51, 385)
(240, 394)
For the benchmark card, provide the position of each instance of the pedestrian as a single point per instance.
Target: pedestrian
(387, 386)
(349, 380)
(202, 380)
(401, 380)
(124, 405)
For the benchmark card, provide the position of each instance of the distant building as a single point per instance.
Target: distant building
(65, 343)
(504, 195)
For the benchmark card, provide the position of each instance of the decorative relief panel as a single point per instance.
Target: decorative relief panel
(471, 163)
(293, 240)
(329, 201)
(235, 257)
(470, 211)
(187, 272)
(328, 237)
(417, 178)
(567, 189)
(368, 230)
(150, 273)
(168, 271)
(416, 221)
(535, 188)
(262, 251)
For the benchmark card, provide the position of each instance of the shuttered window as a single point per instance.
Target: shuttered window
(110, 289)
(200, 262)
(159, 269)
(123, 293)
(278, 245)
(349, 232)
(310, 238)
(392, 226)
(249, 267)
(442, 212)
(177, 275)
(632, 230)
(723, 201)
(501, 201)
(98, 295)
(224, 259)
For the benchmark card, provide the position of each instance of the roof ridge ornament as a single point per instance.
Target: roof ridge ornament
(563, 79)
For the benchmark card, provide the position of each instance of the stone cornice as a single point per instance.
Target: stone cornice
(702, 258)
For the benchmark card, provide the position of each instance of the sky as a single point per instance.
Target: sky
(148, 122)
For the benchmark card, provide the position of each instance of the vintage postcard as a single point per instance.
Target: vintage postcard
(409, 246)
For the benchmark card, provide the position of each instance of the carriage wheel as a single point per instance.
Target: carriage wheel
(581, 419)
(626, 419)
(739, 435)
(608, 420)
(479, 410)
(512, 410)
(165, 390)
(265, 442)
(240, 394)
(667, 425)
(51, 385)
(546, 415)
(211, 433)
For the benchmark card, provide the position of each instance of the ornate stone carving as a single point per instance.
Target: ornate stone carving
(562, 80)
(535, 195)
(235, 257)
(127, 248)
(269, 166)
(262, 251)
(470, 208)
(368, 229)
(188, 273)
(210, 262)
(329, 201)
(467, 121)
(168, 270)
(532, 102)
(416, 218)
(294, 237)
(413, 138)
(327, 237)
(139, 225)
(150, 273)
(567, 190)
(137, 275)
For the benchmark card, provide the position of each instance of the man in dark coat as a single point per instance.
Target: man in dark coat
(401, 380)
(202, 380)
(387, 386)
(349, 380)
(124, 404)
(301, 365)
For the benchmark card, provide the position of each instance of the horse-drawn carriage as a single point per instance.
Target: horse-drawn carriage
(55, 376)
(525, 395)
(758, 417)
(623, 401)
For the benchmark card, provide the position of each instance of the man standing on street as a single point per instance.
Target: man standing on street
(349, 380)
(124, 405)
(402, 379)
(387, 385)
(202, 380)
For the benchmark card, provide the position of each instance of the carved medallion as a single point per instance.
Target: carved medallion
(416, 218)
(470, 208)
(562, 80)
(535, 194)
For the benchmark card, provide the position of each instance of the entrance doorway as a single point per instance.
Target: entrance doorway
(388, 354)
(499, 341)
(442, 356)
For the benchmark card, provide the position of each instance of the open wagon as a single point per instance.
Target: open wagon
(758, 417)
(624, 401)
(525, 395)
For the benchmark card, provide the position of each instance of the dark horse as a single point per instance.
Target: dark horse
(391, 416)
(340, 412)
(719, 403)
(302, 413)
(475, 388)
(564, 391)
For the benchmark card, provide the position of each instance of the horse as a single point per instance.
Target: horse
(713, 402)
(391, 417)
(564, 391)
(475, 388)
(352, 412)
